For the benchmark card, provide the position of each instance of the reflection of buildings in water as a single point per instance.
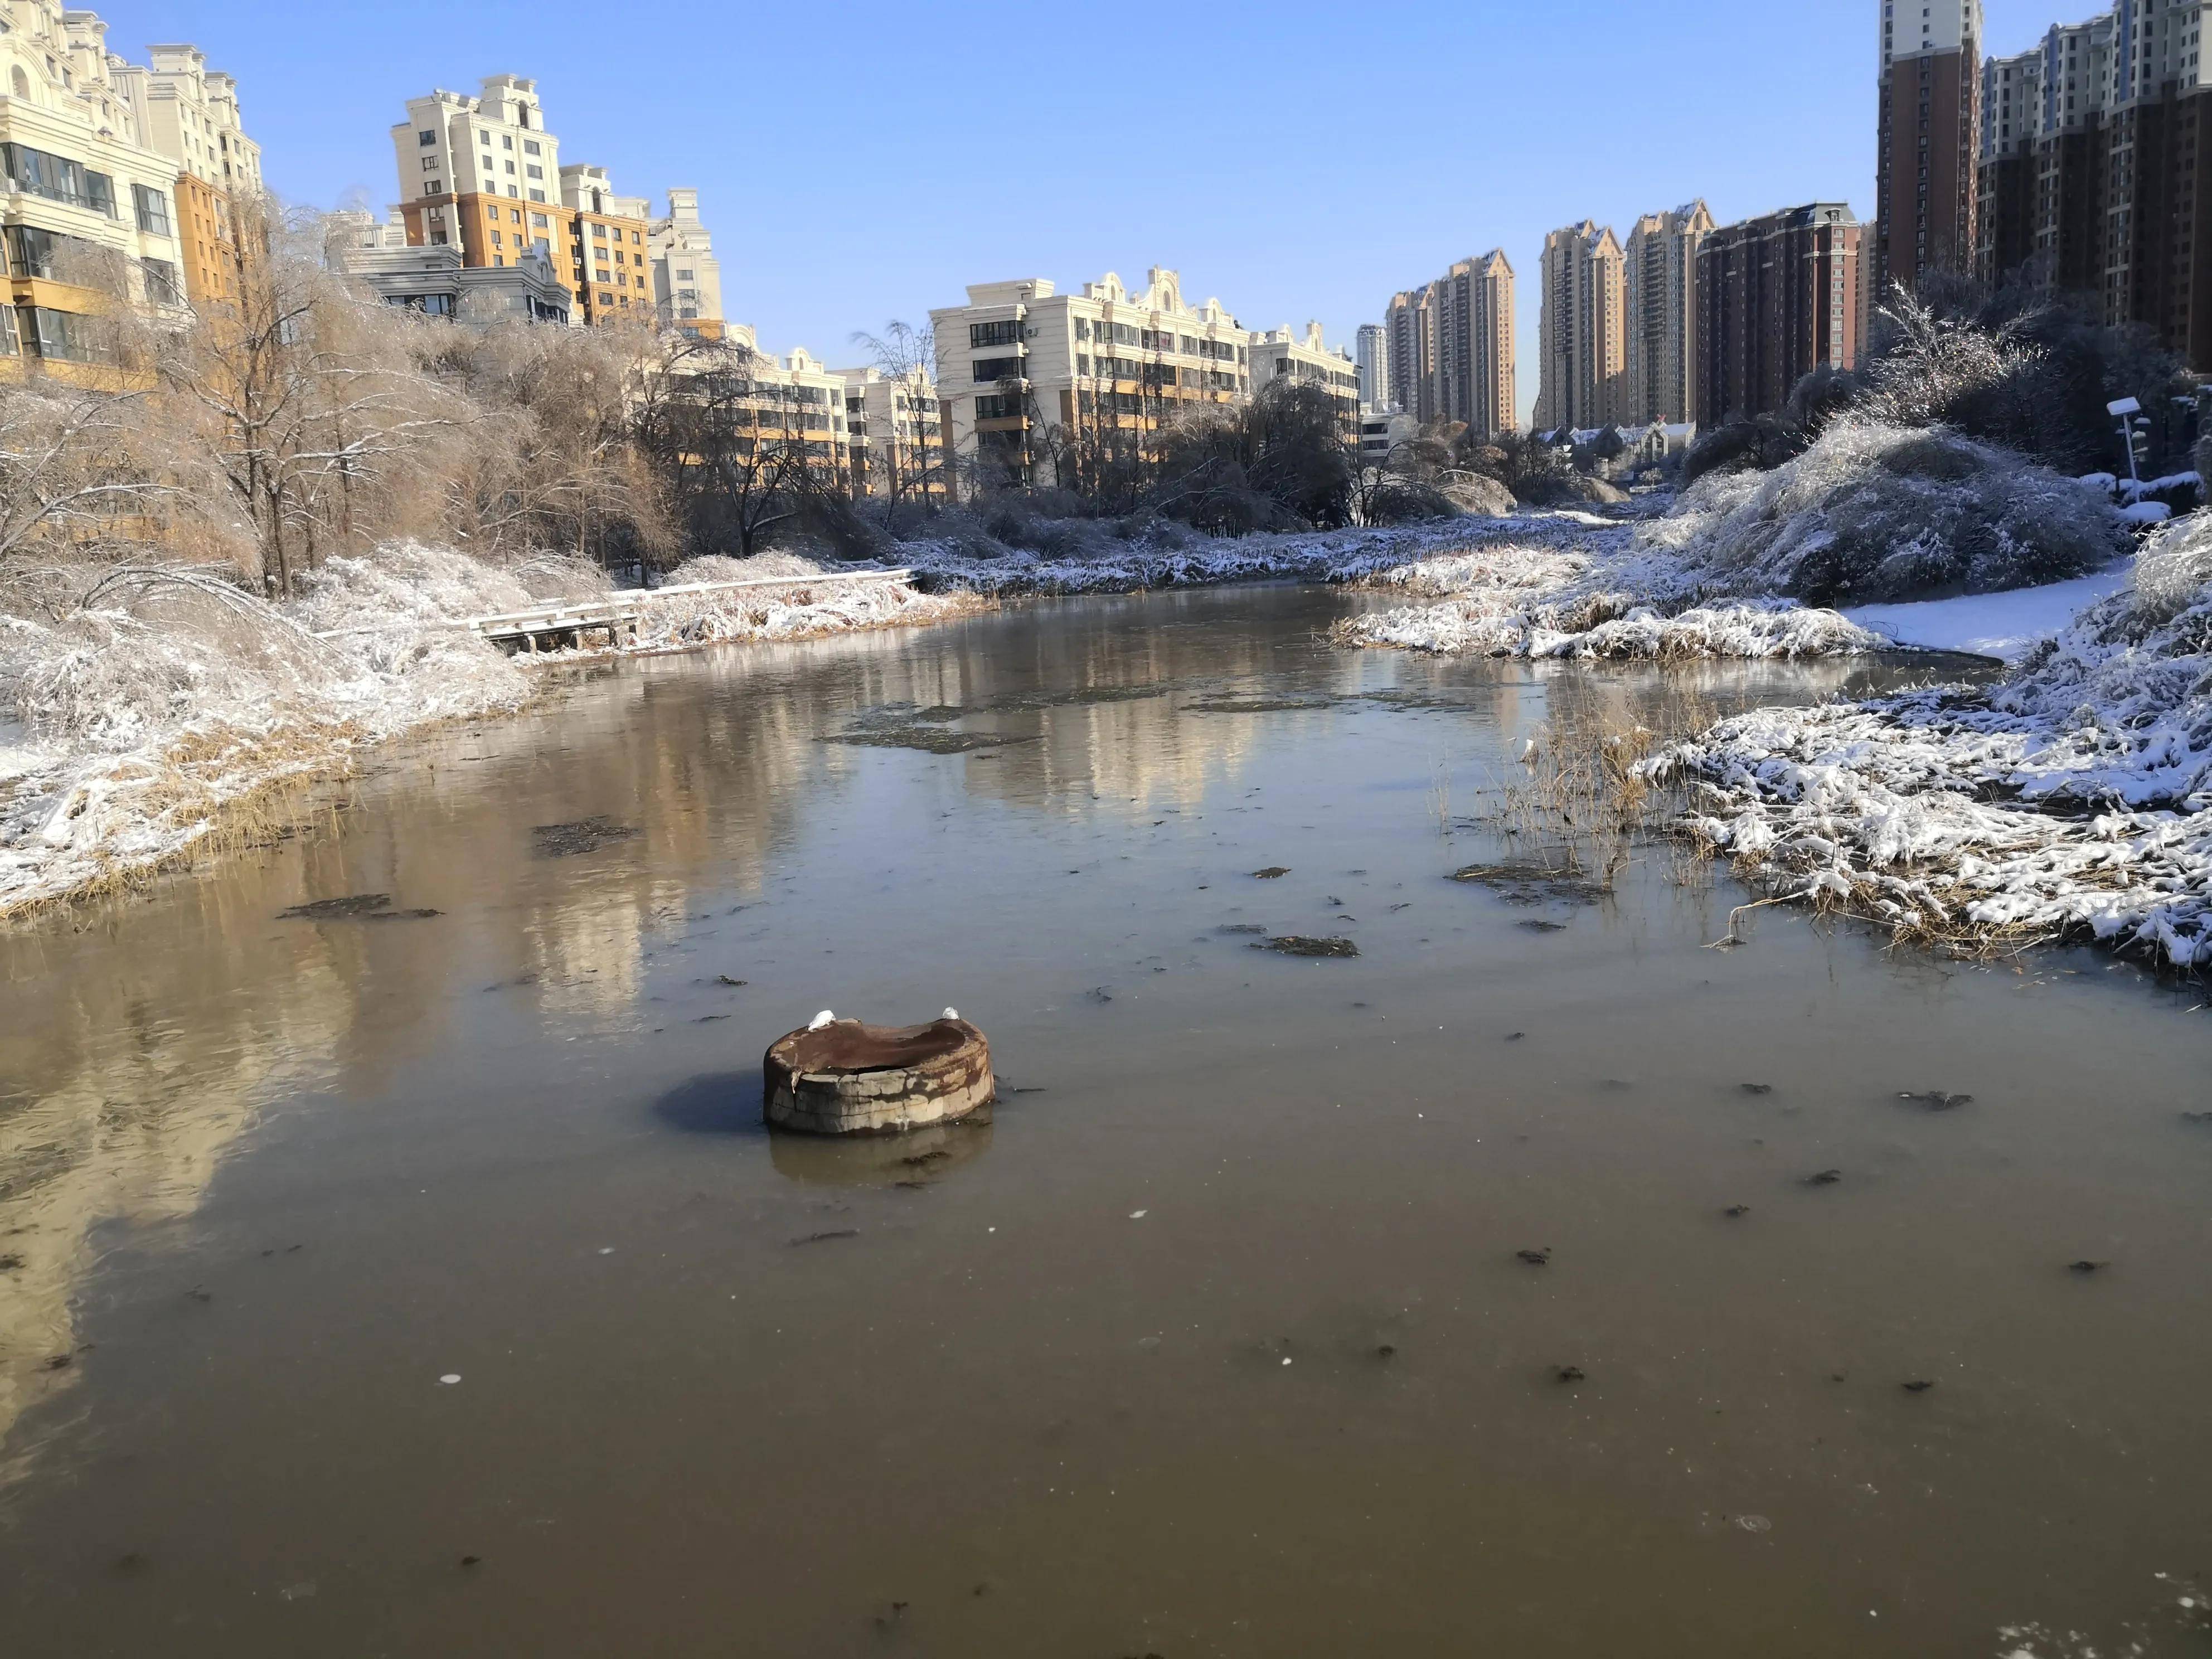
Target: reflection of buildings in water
(141, 1066)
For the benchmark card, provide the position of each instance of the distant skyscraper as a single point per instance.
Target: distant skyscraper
(1450, 349)
(1374, 366)
(1583, 329)
(1929, 138)
(1660, 277)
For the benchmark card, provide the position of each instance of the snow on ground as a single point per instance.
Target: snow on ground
(1170, 556)
(138, 727)
(2002, 625)
(1596, 594)
(2072, 799)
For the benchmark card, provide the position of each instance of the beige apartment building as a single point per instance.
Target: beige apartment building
(1022, 360)
(90, 204)
(894, 431)
(1449, 347)
(607, 241)
(1583, 329)
(1659, 317)
(189, 113)
(1308, 359)
(687, 277)
(483, 173)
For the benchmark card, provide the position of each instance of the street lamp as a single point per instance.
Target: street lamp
(2121, 412)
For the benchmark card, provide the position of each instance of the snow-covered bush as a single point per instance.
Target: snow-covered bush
(1875, 512)
(2073, 799)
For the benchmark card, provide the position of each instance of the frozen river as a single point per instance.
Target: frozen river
(424, 1285)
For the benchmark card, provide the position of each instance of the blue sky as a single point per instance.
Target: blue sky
(861, 160)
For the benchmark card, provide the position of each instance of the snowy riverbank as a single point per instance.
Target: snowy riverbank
(158, 715)
(2071, 799)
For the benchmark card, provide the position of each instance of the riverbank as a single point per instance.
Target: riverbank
(2071, 801)
(163, 716)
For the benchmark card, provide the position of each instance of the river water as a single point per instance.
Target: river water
(1216, 1341)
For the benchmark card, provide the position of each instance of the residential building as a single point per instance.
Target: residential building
(1450, 346)
(1282, 355)
(607, 237)
(1410, 351)
(2094, 162)
(435, 280)
(1374, 353)
(1584, 328)
(1381, 430)
(1660, 311)
(1021, 360)
(189, 113)
(1777, 297)
(1928, 140)
(687, 277)
(89, 205)
(483, 173)
(894, 434)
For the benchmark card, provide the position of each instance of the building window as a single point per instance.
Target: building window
(429, 164)
(425, 137)
(1007, 332)
(537, 195)
(60, 336)
(533, 172)
(163, 288)
(153, 207)
(507, 140)
(539, 222)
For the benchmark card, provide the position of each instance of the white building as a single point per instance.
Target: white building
(1281, 354)
(687, 277)
(438, 282)
(189, 113)
(1374, 354)
(1381, 430)
(895, 430)
(90, 208)
(1021, 360)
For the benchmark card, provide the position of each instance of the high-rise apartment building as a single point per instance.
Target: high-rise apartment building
(1409, 352)
(482, 173)
(687, 277)
(607, 241)
(1449, 347)
(1929, 134)
(1583, 329)
(1021, 360)
(1374, 353)
(189, 113)
(1777, 297)
(1659, 309)
(91, 216)
(2095, 148)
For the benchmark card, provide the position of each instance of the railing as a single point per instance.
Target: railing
(568, 616)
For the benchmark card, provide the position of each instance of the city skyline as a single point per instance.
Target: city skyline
(327, 144)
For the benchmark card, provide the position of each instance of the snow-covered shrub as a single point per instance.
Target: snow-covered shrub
(2075, 797)
(1876, 512)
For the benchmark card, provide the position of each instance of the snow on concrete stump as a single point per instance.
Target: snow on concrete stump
(844, 1077)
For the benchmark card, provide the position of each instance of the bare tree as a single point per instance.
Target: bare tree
(726, 433)
(916, 469)
(303, 391)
